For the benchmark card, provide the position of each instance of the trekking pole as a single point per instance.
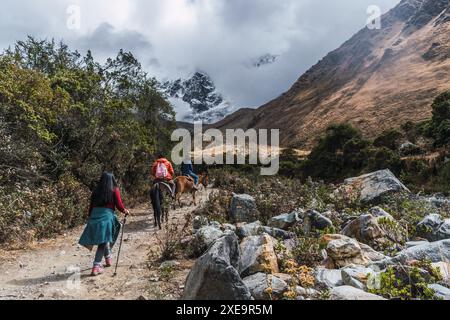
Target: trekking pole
(120, 245)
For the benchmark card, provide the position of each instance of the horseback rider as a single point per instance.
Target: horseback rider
(187, 169)
(163, 171)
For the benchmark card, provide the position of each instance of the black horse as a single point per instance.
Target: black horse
(160, 196)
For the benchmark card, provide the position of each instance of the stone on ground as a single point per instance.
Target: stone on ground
(215, 275)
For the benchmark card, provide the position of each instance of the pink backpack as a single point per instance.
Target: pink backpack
(161, 171)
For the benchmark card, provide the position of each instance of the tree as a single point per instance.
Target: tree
(389, 139)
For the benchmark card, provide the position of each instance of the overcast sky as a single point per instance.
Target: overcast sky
(173, 38)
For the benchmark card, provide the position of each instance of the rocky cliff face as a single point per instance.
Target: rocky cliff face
(377, 80)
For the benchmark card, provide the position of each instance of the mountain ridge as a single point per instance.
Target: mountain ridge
(367, 81)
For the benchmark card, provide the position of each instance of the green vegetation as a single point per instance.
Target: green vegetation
(408, 282)
(343, 152)
(64, 118)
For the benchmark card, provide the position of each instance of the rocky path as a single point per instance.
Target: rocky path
(60, 269)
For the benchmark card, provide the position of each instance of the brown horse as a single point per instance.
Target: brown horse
(186, 185)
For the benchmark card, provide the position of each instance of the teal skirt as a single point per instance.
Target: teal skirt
(102, 227)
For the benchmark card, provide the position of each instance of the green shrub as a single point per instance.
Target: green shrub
(389, 139)
(408, 282)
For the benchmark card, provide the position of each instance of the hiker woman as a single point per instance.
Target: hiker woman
(103, 226)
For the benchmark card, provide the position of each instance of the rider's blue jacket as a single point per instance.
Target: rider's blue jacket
(187, 168)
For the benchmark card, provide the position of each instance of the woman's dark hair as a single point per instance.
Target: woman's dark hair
(103, 193)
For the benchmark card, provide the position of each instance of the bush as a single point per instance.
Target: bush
(64, 115)
(32, 214)
(389, 139)
(384, 158)
(408, 282)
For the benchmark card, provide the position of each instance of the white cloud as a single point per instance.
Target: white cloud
(176, 37)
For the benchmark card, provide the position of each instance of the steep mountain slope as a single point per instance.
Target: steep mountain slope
(197, 98)
(377, 80)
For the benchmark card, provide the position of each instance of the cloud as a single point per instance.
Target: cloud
(173, 38)
(106, 40)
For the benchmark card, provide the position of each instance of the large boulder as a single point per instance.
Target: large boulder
(377, 231)
(215, 275)
(352, 293)
(204, 237)
(264, 286)
(434, 228)
(356, 276)
(243, 209)
(343, 251)
(373, 186)
(364, 228)
(285, 221)
(433, 252)
(329, 278)
(258, 255)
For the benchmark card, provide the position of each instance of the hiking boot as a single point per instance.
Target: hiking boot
(108, 262)
(97, 270)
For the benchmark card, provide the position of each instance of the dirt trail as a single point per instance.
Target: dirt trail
(60, 269)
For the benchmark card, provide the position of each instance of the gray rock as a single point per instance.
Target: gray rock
(433, 251)
(434, 228)
(258, 255)
(441, 291)
(278, 233)
(329, 278)
(316, 221)
(216, 225)
(380, 213)
(352, 293)
(375, 185)
(356, 276)
(243, 209)
(306, 292)
(375, 231)
(344, 251)
(370, 253)
(444, 230)
(199, 222)
(249, 229)
(205, 237)
(215, 275)
(284, 221)
(256, 228)
(437, 201)
(411, 244)
(229, 227)
(259, 283)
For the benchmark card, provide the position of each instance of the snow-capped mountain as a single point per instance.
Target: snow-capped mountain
(196, 99)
